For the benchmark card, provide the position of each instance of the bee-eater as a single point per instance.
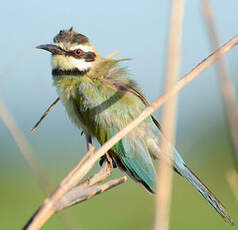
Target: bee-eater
(101, 99)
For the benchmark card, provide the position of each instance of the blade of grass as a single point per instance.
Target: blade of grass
(164, 185)
(226, 85)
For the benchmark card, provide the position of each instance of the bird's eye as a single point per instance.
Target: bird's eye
(78, 52)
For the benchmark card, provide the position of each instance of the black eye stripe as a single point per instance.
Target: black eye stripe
(88, 56)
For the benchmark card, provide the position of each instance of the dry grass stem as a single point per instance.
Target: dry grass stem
(29, 156)
(77, 195)
(23, 145)
(88, 188)
(226, 84)
(100, 176)
(45, 114)
(169, 118)
(48, 207)
(57, 100)
(85, 191)
(115, 53)
(33, 223)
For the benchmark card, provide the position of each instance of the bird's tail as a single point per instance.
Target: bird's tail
(206, 193)
(181, 168)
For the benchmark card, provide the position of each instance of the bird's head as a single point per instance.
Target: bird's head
(71, 51)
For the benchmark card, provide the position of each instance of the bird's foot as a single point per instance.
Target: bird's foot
(107, 158)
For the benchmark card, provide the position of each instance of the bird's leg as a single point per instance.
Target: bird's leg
(88, 141)
(107, 157)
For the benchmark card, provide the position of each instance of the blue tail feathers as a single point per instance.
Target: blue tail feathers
(181, 167)
(206, 193)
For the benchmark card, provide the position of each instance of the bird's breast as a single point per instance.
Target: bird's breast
(73, 101)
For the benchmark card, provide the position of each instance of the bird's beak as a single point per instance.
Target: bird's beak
(51, 48)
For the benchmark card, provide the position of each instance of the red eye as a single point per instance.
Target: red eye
(78, 52)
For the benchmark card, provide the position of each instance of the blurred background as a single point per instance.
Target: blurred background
(139, 29)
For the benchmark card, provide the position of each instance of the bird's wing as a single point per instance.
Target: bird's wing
(118, 78)
(139, 94)
(105, 112)
(134, 159)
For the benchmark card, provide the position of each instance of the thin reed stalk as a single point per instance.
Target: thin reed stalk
(29, 156)
(164, 184)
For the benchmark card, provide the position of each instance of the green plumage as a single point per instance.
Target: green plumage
(102, 102)
(101, 99)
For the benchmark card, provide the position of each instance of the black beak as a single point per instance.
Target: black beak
(52, 48)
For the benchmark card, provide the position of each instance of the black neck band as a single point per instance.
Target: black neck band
(74, 72)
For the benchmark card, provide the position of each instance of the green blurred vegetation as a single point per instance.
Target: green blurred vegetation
(127, 206)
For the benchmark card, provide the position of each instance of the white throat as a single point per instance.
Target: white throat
(81, 64)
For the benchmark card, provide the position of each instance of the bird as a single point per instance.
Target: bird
(101, 99)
